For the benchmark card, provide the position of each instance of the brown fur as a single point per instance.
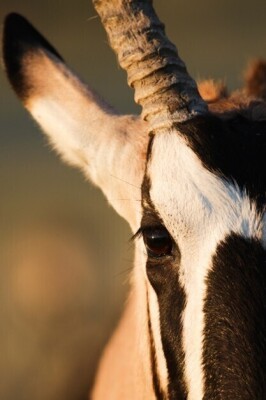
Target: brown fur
(249, 101)
(212, 91)
(255, 79)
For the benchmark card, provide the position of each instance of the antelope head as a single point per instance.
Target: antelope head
(196, 158)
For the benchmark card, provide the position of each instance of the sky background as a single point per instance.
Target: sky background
(60, 295)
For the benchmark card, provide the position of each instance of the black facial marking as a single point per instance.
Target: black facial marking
(19, 39)
(234, 352)
(233, 147)
(163, 276)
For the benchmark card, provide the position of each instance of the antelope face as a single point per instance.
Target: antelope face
(204, 228)
(199, 171)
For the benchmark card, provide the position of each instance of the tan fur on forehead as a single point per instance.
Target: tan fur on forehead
(212, 91)
(255, 79)
(249, 102)
(240, 104)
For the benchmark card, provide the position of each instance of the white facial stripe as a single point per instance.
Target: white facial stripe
(155, 326)
(199, 209)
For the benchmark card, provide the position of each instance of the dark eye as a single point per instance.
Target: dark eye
(158, 242)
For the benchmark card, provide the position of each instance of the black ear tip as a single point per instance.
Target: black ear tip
(17, 30)
(15, 20)
(20, 36)
(13, 24)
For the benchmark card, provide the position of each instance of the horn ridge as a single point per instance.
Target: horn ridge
(162, 85)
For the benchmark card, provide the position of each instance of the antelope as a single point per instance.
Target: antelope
(193, 167)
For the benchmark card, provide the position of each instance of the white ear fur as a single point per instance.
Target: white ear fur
(109, 148)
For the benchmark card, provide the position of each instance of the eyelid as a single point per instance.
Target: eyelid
(143, 228)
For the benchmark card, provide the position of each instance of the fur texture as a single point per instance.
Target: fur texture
(206, 185)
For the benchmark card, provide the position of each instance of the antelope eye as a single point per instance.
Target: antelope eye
(158, 242)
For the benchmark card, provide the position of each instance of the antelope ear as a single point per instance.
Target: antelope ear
(86, 132)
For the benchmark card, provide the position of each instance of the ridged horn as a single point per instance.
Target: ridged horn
(162, 85)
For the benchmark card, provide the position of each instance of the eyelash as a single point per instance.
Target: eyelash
(137, 235)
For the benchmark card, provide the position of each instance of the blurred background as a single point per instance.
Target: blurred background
(65, 257)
